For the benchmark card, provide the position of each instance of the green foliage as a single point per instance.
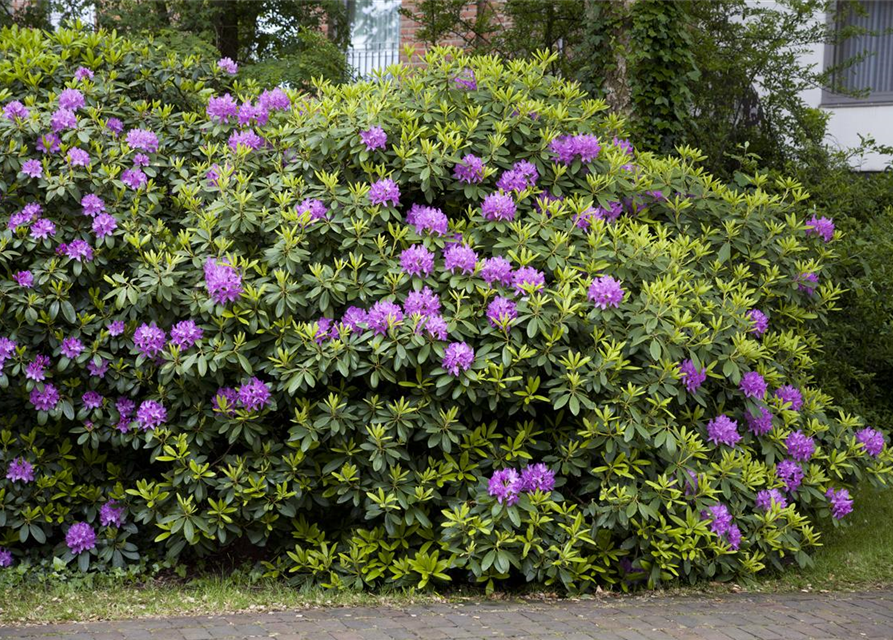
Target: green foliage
(369, 465)
(314, 57)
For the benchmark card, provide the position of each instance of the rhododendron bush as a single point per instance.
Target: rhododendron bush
(446, 325)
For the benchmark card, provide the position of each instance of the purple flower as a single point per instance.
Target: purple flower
(769, 497)
(528, 278)
(324, 325)
(5, 557)
(692, 378)
(223, 281)
(228, 65)
(185, 334)
(872, 440)
(149, 339)
(841, 503)
(116, 327)
(247, 139)
(528, 170)
(134, 178)
(110, 514)
(501, 311)
(537, 477)
(254, 395)
(43, 228)
(383, 315)
(424, 302)
(114, 125)
(759, 322)
(63, 119)
(143, 140)
(92, 400)
(104, 225)
(141, 160)
(733, 536)
(436, 327)
(374, 138)
(78, 157)
(427, 219)
(790, 473)
(24, 279)
(461, 257)
(79, 250)
(458, 355)
(470, 169)
(32, 168)
(566, 148)
(720, 519)
(29, 213)
(275, 100)
(72, 348)
(355, 318)
(20, 470)
(466, 80)
(98, 370)
(800, 446)
(417, 261)
(760, 423)
(511, 180)
(230, 398)
(753, 385)
(125, 407)
(80, 537)
(45, 399)
(83, 73)
(498, 206)
(314, 208)
(71, 99)
(92, 204)
(222, 109)
(822, 227)
(605, 291)
(15, 109)
(150, 415)
(36, 369)
(807, 282)
(789, 394)
(723, 430)
(505, 485)
(498, 270)
(50, 143)
(249, 113)
(384, 191)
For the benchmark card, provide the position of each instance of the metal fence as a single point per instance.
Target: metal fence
(374, 35)
(370, 57)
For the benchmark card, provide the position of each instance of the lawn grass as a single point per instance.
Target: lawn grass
(857, 557)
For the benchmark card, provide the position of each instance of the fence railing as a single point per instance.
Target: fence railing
(367, 58)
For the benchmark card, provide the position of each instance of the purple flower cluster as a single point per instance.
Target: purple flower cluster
(78, 157)
(872, 440)
(15, 109)
(149, 339)
(5, 557)
(800, 446)
(222, 109)
(245, 139)
(43, 228)
(44, 399)
(98, 370)
(523, 175)
(501, 311)
(29, 213)
(251, 114)
(142, 139)
(134, 178)
(769, 497)
(71, 99)
(115, 126)
(807, 282)
(228, 65)
(254, 394)
(466, 80)
(383, 315)
(417, 260)
(92, 204)
(49, 143)
(374, 138)
(498, 206)
(230, 398)
(314, 208)
(460, 256)
(424, 303)
(721, 524)
(32, 168)
(790, 395)
(841, 502)
(759, 322)
(605, 291)
(104, 225)
(92, 400)
(822, 227)
(275, 100)
(528, 278)
(427, 219)
(111, 515)
(470, 169)
(790, 473)
(496, 270)
(457, 355)
(186, 333)
(7, 348)
(753, 385)
(151, 414)
(537, 477)
(24, 279)
(567, 148)
(125, 408)
(72, 347)
(760, 423)
(116, 327)
(80, 537)
(506, 485)
(61, 120)
(692, 378)
(384, 191)
(723, 430)
(223, 281)
(20, 470)
(36, 369)
(83, 73)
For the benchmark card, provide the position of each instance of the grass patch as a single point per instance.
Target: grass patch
(856, 557)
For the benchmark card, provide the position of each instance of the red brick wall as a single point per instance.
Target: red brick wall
(409, 27)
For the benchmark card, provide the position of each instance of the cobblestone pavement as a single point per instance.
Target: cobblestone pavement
(728, 617)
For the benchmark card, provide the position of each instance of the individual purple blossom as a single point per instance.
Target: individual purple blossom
(229, 396)
(374, 138)
(91, 204)
(759, 423)
(134, 178)
(505, 485)
(228, 65)
(223, 281)
(841, 502)
(605, 291)
(80, 537)
(98, 370)
(32, 168)
(768, 497)
(149, 339)
(116, 327)
(470, 169)
(110, 514)
(247, 139)
(759, 322)
(383, 315)
(528, 278)
(501, 311)
(45, 399)
(142, 139)
(20, 470)
(424, 302)
(496, 270)
(222, 108)
(458, 355)
(15, 109)
(466, 80)
(753, 385)
(436, 327)
(692, 378)
(789, 394)
(800, 446)
(141, 160)
(104, 225)
(822, 227)
(78, 157)
(115, 126)
(314, 208)
(275, 100)
(249, 113)
(49, 143)
(72, 347)
(355, 318)
(24, 279)
(807, 282)
(460, 256)
(537, 477)
(790, 473)
(498, 206)
(43, 228)
(872, 440)
(150, 415)
(5, 557)
(428, 219)
(254, 395)
(36, 369)
(79, 250)
(186, 333)
(83, 73)
(92, 400)
(71, 99)
(723, 430)
(417, 260)
(384, 191)
(63, 119)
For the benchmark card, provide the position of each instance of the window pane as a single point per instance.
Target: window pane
(875, 72)
(374, 34)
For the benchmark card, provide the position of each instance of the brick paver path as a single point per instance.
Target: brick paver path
(729, 617)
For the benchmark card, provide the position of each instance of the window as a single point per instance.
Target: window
(374, 34)
(875, 71)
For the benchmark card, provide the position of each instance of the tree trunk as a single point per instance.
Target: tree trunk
(618, 92)
(227, 28)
